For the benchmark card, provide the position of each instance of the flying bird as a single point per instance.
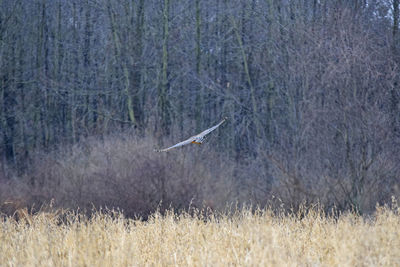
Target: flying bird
(196, 139)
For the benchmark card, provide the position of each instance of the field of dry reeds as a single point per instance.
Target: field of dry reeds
(52, 215)
(237, 238)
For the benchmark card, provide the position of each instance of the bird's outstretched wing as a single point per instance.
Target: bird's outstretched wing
(193, 138)
(188, 141)
(205, 132)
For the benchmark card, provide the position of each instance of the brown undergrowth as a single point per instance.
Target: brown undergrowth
(121, 172)
(244, 237)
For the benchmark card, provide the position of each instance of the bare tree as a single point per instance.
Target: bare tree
(311, 87)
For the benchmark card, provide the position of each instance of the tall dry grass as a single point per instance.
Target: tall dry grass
(241, 238)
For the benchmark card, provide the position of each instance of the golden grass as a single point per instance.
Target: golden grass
(240, 239)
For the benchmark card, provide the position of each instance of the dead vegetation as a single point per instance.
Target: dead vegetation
(121, 172)
(245, 237)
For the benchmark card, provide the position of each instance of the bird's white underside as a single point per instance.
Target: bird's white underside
(198, 139)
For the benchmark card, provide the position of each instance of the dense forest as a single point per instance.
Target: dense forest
(310, 88)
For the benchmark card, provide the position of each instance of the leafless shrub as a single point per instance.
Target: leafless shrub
(336, 145)
(14, 195)
(125, 172)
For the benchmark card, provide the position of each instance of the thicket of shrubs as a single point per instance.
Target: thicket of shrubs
(123, 171)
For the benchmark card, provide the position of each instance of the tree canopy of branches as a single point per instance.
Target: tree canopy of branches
(311, 87)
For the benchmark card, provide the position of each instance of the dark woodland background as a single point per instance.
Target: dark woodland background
(89, 88)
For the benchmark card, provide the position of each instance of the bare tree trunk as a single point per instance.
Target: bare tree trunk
(395, 92)
(8, 108)
(248, 78)
(89, 113)
(163, 102)
(395, 19)
(117, 44)
(199, 105)
(75, 64)
(139, 93)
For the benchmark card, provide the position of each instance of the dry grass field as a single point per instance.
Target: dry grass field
(242, 238)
